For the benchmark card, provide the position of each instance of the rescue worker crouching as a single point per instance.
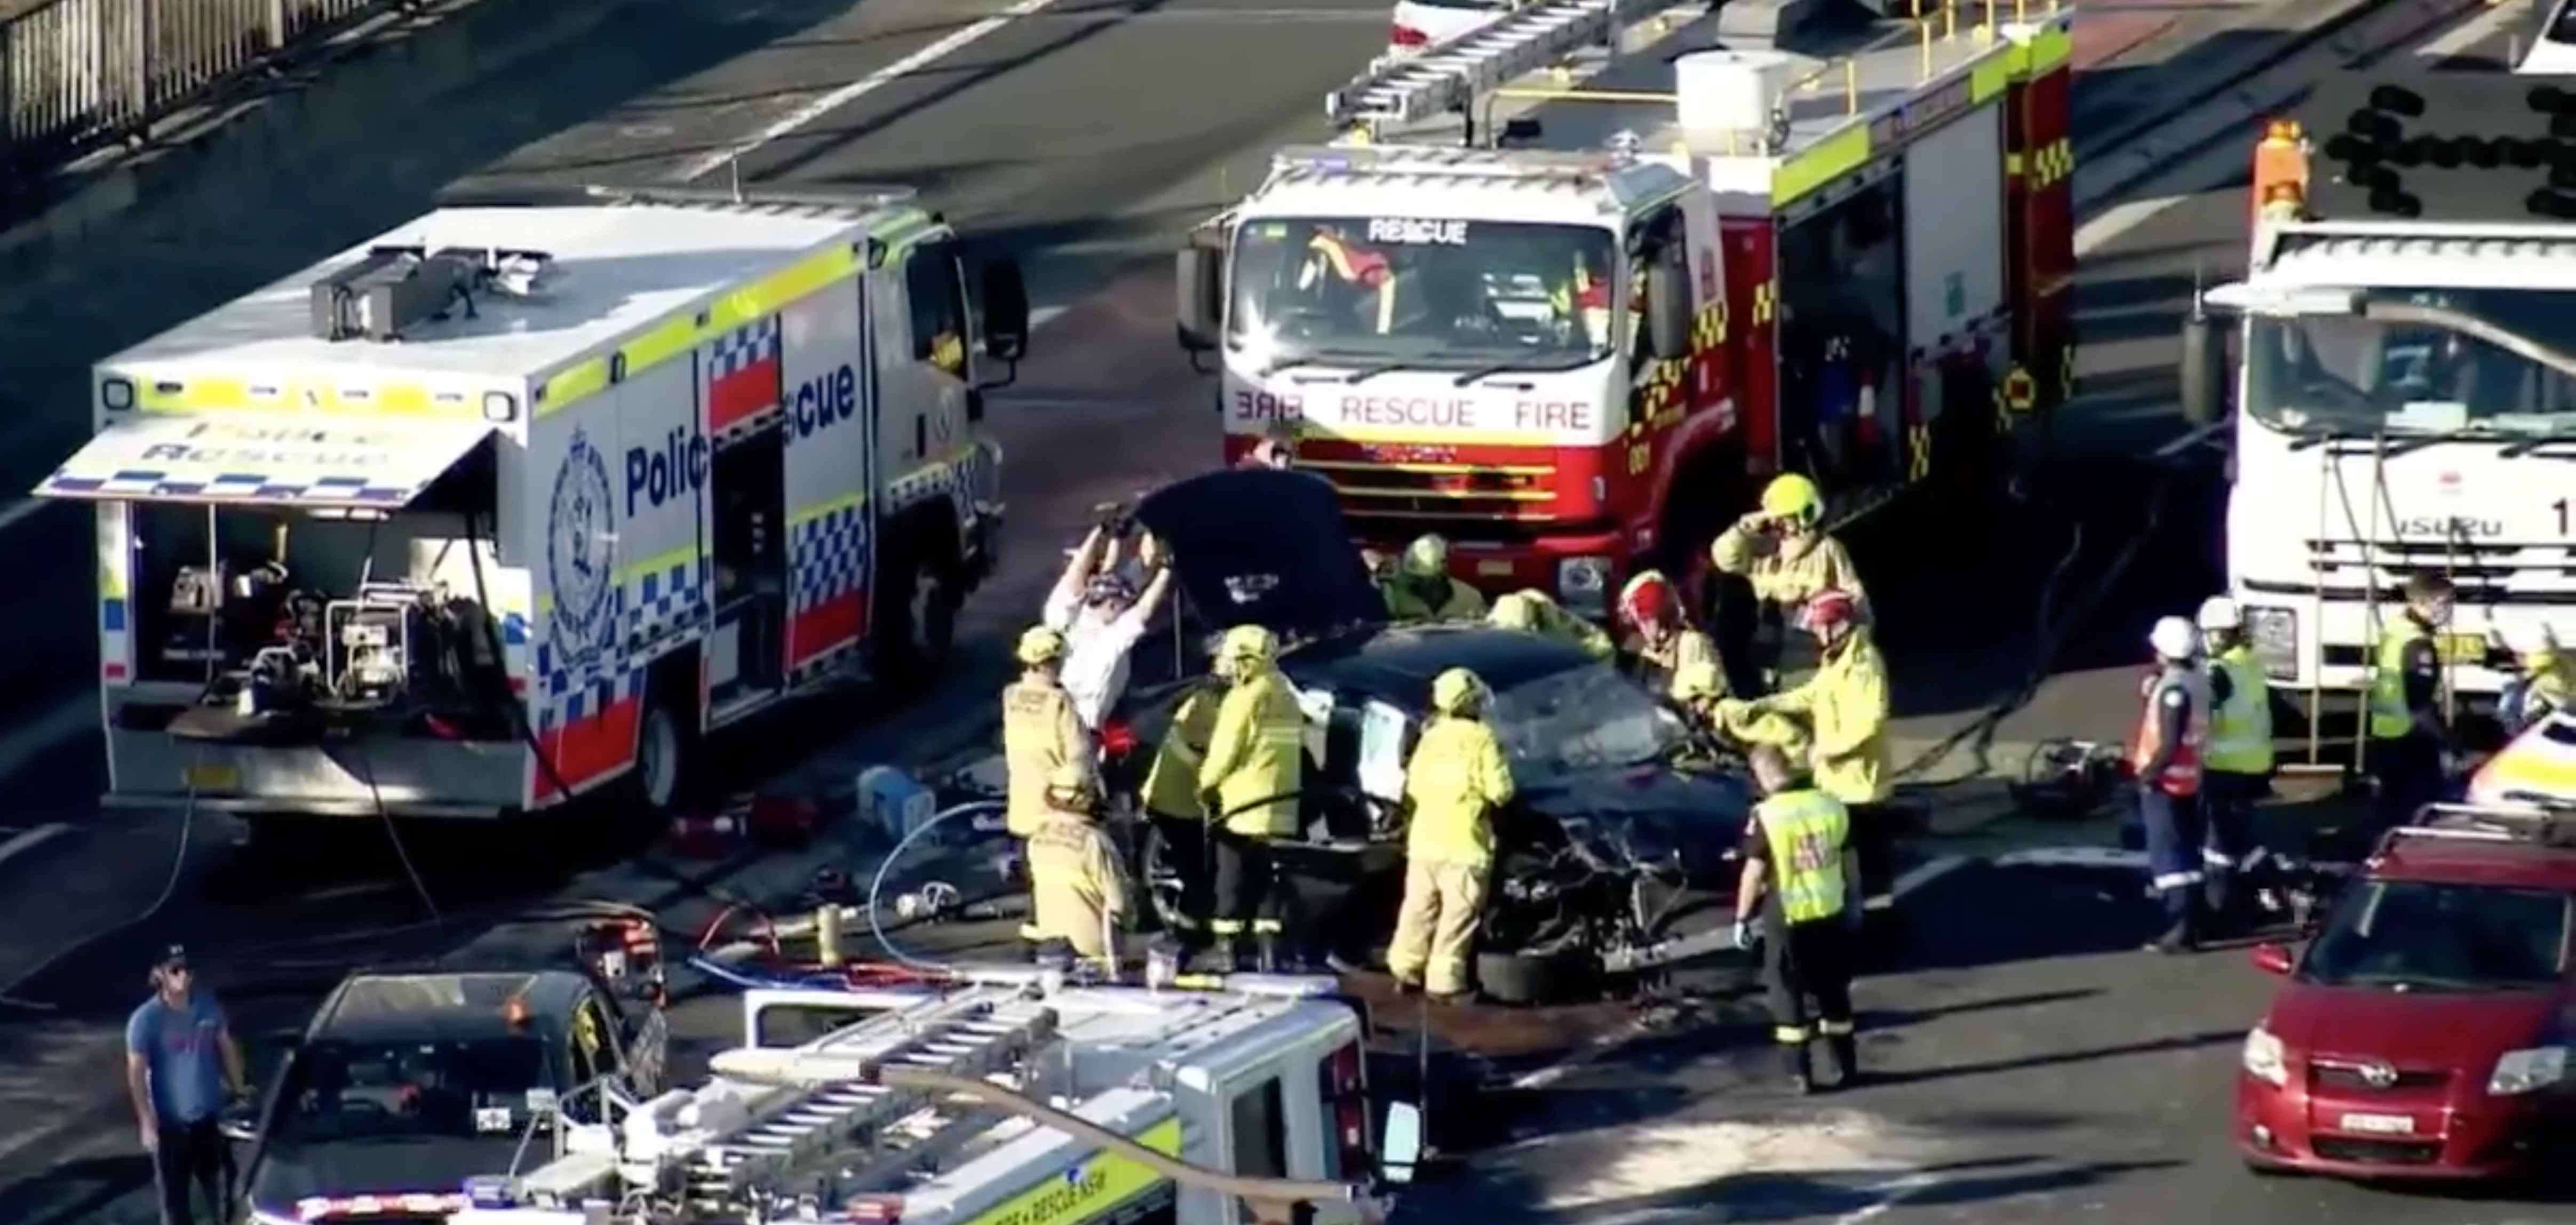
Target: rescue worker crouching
(1781, 552)
(2410, 742)
(1532, 612)
(1171, 801)
(2238, 771)
(1248, 786)
(2166, 756)
(1793, 900)
(1421, 589)
(1454, 782)
(1663, 643)
(1838, 721)
(1077, 889)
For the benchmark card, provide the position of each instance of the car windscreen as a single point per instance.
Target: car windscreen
(1583, 718)
(2437, 936)
(360, 1090)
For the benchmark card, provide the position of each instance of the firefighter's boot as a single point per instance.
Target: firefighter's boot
(1797, 1067)
(1845, 1050)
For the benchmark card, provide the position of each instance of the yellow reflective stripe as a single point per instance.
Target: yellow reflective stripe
(1835, 156)
(801, 517)
(216, 394)
(1990, 78)
(2051, 48)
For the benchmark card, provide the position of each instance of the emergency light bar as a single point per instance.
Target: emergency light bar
(1449, 76)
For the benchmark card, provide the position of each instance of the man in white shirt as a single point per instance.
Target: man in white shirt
(1102, 618)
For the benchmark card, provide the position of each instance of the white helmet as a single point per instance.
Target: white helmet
(2219, 613)
(2529, 640)
(2174, 638)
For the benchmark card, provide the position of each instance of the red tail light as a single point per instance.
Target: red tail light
(1345, 1086)
(1407, 36)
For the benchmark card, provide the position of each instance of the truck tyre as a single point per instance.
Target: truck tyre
(664, 748)
(916, 616)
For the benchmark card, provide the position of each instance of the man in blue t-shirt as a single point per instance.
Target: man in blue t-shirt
(181, 1069)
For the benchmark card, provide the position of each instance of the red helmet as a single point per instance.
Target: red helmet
(1648, 599)
(1827, 609)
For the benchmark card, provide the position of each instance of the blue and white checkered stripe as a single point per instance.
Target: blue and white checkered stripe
(569, 703)
(831, 554)
(250, 486)
(744, 346)
(668, 601)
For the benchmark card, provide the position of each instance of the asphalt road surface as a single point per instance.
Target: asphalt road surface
(1084, 135)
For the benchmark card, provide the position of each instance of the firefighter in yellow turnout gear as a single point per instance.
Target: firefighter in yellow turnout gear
(1531, 612)
(1421, 589)
(1171, 798)
(1041, 734)
(1782, 552)
(1663, 644)
(1077, 890)
(1792, 900)
(1454, 781)
(1248, 781)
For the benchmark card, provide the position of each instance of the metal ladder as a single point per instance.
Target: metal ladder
(1450, 76)
(817, 1129)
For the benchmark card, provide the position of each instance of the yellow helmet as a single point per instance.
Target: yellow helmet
(1791, 496)
(1040, 644)
(1519, 610)
(1427, 557)
(1698, 682)
(1458, 691)
(1245, 646)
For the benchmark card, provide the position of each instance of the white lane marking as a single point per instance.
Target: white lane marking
(1044, 315)
(21, 746)
(28, 840)
(1575, 1060)
(2105, 857)
(2467, 35)
(21, 512)
(797, 120)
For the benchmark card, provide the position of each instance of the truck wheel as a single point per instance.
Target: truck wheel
(916, 620)
(663, 746)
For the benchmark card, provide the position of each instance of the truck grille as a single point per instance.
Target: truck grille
(2485, 572)
(1435, 491)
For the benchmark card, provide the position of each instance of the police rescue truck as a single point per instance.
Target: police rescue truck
(1259, 1076)
(2405, 391)
(515, 503)
(1843, 260)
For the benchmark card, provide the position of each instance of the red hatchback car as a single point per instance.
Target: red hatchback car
(2424, 1033)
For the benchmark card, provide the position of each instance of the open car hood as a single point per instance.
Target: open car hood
(1259, 546)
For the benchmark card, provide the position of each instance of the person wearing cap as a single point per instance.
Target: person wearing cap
(1794, 899)
(1248, 787)
(1077, 891)
(1422, 590)
(1836, 722)
(1454, 782)
(2240, 758)
(2166, 758)
(2410, 742)
(182, 1068)
(1530, 611)
(1102, 617)
(1782, 553)
(1662, 643)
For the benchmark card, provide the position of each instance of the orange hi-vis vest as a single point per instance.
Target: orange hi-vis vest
(2181, 776)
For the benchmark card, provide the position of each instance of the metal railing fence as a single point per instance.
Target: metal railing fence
(77, 75)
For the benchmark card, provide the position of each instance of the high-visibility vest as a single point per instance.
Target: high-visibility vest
(2181, 775)
(2389, 717)
(2240, 729)
(1805, 831)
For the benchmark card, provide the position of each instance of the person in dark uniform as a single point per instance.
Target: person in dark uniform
(2410, 742)
(1791, 902)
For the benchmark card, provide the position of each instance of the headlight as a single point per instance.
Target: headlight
(2265, 1059)
(2524, 1071)
(1583, 583)
(2274, 635)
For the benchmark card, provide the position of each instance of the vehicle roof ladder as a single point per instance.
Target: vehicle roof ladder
(1448, 78)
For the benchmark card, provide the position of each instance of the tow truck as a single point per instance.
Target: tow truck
(2403, 391)
(961, 1103)
(510, 503)
(1845, 256)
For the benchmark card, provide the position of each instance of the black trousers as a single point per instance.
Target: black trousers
(1243, 887)
(191, 1155)
(1807, 979)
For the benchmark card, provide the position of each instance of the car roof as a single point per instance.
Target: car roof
(444, 1006)
(1398, 664)
(2494, 844)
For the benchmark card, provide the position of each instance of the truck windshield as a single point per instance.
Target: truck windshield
(1583, 718)
(2433, 936)
(2421, 362)
(1424, 291)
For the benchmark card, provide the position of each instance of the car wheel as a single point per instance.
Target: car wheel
(1162, 879)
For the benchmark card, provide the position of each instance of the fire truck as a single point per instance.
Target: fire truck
(1850, 260)
(2404, 379)
(931, 1106)
(513, 503)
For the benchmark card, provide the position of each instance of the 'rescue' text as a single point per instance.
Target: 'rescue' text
(1386, 412)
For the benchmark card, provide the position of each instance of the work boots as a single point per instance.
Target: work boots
(1222, 958)
(1798, 1067)
(1845, 1050)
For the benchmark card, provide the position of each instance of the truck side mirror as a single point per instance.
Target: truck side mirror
(1198, 276)
(1668, 310)
(1006, 310)
(2204, 369)
(1401, 1151)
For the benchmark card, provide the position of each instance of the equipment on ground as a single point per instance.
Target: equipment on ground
(1574, 349)
(999, 1096)
(535, 497)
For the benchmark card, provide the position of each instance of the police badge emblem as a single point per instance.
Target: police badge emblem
(581, 554)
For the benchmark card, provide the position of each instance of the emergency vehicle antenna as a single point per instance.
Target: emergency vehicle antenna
(1449, 77)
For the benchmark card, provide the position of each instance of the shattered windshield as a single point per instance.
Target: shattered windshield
(2433, 936)
(1584, 718)
(1422, 291)
(2423, 363)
